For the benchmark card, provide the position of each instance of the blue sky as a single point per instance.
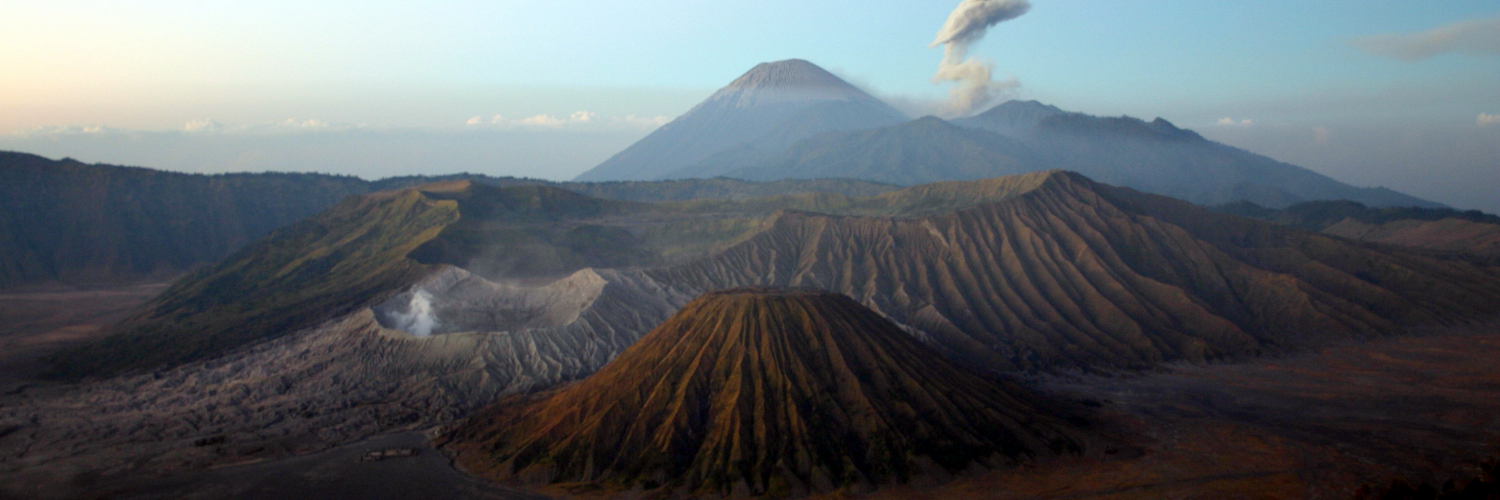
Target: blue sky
(1279, 70)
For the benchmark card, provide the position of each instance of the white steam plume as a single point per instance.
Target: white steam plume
(418, 319)
(966, 25)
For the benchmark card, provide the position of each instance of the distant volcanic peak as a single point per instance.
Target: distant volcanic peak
(765, 390)
(791, 80)
(790, 73)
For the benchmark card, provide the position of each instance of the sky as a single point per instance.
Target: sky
(1395, 93)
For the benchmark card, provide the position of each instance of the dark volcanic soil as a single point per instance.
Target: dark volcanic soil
(332, 474)
(36, 322)
(1319, 425)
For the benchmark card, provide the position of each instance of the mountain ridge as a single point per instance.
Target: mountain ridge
(1155, 156)
(84, 224)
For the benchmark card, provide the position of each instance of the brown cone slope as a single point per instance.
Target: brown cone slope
(763, 391)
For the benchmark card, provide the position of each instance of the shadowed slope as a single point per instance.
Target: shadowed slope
(756, 391)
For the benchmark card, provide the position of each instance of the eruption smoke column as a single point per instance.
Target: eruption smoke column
(966, 25)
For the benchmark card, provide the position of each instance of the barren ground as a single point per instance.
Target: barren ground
(38, 321)
(1315, 425)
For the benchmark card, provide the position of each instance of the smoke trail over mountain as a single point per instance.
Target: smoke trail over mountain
(966, 25)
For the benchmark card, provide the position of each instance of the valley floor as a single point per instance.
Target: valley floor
(37, 321)
(1315, 425)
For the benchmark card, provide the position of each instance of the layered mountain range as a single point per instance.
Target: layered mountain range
(761, 391)
(70, 222)
(838, 131)
(1040, 271)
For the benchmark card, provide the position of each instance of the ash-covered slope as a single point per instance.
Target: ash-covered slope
(764, 391)
(767, 108)
(1062, 272)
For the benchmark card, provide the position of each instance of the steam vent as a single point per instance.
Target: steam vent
(755, 391)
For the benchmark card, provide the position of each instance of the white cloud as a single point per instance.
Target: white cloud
(1230, 122)
(1468, 37)
(66, 130)
(542, 121)
(202, 125)
(577, 119)
(644, 121)
(1486, 119)
(304, 123)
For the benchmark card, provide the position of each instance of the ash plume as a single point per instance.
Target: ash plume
(966, 25)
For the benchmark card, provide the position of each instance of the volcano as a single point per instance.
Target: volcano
(764, 391)
(763, 111)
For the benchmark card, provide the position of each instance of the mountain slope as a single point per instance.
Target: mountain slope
(68, 221)
(1062, 272)
(764, 391)
(768, 107)
(320, 268)
(1154, 156)
(1159, 157)
(924, 150)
